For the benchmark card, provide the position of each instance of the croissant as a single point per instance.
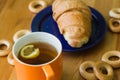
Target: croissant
(74, 21)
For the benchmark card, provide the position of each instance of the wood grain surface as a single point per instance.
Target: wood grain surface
(15, 15)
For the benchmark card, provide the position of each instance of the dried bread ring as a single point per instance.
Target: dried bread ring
(114, 25)
(10, 59)
(103, 71)
(19, 34)
(7, 44)
(114, 63)
(83, 70)
(115, 13)
(37, 5)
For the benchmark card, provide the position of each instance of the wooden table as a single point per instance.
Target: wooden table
(14, 16)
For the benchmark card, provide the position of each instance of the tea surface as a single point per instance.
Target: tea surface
(47, 53)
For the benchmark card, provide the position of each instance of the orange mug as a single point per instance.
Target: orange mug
(51, 70)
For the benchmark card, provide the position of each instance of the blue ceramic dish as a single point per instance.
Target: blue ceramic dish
(43, 21)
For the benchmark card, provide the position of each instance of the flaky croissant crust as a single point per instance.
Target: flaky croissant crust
(74, 21)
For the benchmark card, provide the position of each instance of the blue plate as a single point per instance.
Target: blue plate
(43, 21)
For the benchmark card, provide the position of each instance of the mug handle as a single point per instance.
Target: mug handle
(10, 58)
(49, 73)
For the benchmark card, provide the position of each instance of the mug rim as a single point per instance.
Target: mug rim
(36, 65)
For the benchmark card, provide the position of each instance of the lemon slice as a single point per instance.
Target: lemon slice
(29, 52)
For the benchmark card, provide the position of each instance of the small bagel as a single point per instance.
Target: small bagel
(103, 71)
(113, 63)
(83, 70)
(8, 44)
(115, 13)
(114, 25)
(19, 34)
(10, 59)
(37, 5)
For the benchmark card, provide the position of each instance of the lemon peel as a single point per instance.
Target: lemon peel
(29, 52)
